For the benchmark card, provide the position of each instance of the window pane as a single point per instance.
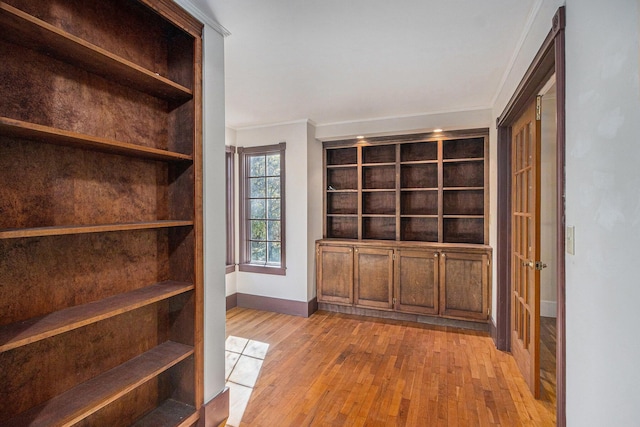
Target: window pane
(273, 164)
(273, 187)
(273, 209)
(258, 210)
(273, 230)
(256, 165)
(258, 230)
(274, 253)
(257, 187)
(259, 252)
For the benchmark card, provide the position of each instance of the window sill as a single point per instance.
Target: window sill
(230, 268)
(263, 269)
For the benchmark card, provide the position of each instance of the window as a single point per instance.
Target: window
(230, 184)
(262, 213)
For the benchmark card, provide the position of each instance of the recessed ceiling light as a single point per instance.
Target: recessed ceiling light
(437, 130)
(360, 136)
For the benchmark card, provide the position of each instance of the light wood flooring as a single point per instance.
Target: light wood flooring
(340, 370)
(548, 360)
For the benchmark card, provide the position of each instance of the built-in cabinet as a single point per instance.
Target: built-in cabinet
(405, 226)
(424, 279)
(101, 214)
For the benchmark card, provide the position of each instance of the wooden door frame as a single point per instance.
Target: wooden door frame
(549, 60)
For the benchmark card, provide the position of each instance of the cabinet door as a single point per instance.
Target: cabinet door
(464, 281)
(374, 278)
(416, 281)
(335, 274)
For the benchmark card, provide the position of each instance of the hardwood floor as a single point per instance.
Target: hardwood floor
(548, 360)
(339, 370)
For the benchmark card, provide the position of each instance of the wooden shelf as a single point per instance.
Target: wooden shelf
(418, 216)
(34, 33)
(378, 216)
(418, 162)
(462, 188)
(171, 413)
(46, 134)
(378, 164)
(343, 215)
(90, 396)
(470, 159)
(463, 216)
(350, 165)
(342, 191)
(32, 330)
(16, 233)
(419, 189)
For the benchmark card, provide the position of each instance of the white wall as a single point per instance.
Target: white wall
(214, 213)
(603, 203)
(314, 204)
(548, 205)
(294, 286)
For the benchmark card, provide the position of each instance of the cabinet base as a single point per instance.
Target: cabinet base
(408, 317)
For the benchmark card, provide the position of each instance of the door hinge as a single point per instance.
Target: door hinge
(538, 107)
(394, 256)
(394, 301)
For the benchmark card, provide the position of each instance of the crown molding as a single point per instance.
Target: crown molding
(203, 17)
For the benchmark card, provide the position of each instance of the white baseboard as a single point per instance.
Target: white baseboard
(548, 308)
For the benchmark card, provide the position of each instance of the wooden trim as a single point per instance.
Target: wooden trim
(312, 306)
(559, 21)
(245, 255)
(405, 317)
(232, 301)
(550, 59)
(503, 263)
(215, 412)
(493, 330)
(276, 305)
(198, 215)
(177, 15)
(230, 172)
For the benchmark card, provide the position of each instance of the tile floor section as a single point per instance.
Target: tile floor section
(243, 362)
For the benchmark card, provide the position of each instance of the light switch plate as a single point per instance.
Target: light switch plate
(570, 240)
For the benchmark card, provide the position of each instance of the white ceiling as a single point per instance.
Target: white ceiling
(347, 60)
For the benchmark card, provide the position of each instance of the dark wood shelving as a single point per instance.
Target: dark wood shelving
(16, 233)
(410, 182)
(32, 330)
(101, 282)
(49, 135)
(418, 243)
(379, 154)
(90, 396)
(39, 35)
(342, 157)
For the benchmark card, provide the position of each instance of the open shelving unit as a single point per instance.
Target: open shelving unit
(101, 225)
(406, 228)
(425, 188)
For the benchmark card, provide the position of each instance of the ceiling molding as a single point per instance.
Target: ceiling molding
(516, 52)
(406, 116)
(203, 17)
(270, 125)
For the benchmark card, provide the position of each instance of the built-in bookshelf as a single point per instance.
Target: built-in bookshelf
(101, 225)
(424, 187)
